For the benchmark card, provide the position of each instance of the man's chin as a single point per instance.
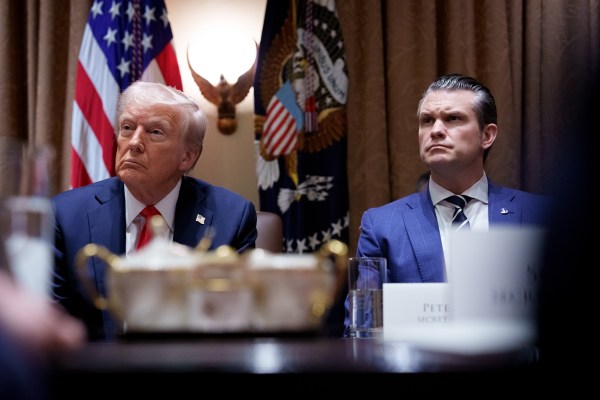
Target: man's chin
(129, 175)
(438, 160)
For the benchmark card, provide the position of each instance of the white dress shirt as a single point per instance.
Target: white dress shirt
(133, 221)
(476, 210)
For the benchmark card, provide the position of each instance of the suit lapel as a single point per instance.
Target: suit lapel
(109, 218)
(424, 235)
(193, 220)
(104, 221)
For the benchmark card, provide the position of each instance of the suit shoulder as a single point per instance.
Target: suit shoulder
(402, 204)
(86, 190)
(214, 191)
(526, 196)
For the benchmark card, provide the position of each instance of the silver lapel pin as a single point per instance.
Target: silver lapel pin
(503, 211)
(200, 219)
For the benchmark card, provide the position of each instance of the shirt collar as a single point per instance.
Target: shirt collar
(166, 206)
(478, 191)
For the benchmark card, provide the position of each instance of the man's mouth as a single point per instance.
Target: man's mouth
(436, 146)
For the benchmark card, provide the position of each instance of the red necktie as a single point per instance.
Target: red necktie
(146, 233)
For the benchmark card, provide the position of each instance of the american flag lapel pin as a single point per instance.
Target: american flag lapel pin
(200, 219)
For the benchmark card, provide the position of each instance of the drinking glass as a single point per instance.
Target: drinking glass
(366, 276)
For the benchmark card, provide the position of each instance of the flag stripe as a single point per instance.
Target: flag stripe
(78, 172)
(153, 73)
(285, 137)
(276, 118)
(170, 70)
(88, 148)
(287, 146)
(277, 129)
(100, 128)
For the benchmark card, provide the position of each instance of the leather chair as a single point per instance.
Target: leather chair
(270, 232)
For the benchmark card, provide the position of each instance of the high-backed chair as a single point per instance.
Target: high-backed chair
(270, 231)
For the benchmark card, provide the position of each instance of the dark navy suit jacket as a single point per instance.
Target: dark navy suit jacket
(406, 231)
(96, 214)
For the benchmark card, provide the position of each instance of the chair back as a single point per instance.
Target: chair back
(270, 231)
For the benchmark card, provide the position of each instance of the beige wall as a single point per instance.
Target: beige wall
(227, 160)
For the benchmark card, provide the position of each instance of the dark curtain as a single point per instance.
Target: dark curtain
(39, 43)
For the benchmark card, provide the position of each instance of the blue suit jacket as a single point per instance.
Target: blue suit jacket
(406, 231)
(96, 214)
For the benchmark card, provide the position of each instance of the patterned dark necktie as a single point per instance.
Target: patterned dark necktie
(459, 219)
(146, 233)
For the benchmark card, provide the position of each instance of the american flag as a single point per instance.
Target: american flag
(123, 41)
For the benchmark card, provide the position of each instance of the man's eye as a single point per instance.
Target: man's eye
(157, 135)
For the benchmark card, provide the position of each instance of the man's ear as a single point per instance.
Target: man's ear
(488, 135)
(190, 159)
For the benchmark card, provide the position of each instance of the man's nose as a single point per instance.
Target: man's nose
(137, 138)
(438, 127)
(138, 134)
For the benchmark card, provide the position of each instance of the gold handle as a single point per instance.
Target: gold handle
(93, 250)
(339, 251)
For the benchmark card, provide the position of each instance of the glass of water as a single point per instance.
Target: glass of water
(366, 276)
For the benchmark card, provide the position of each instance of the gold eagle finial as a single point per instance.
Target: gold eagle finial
(225, 95)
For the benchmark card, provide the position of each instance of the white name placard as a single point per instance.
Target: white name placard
(494, 274)
(488, 304)
(411, 308)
